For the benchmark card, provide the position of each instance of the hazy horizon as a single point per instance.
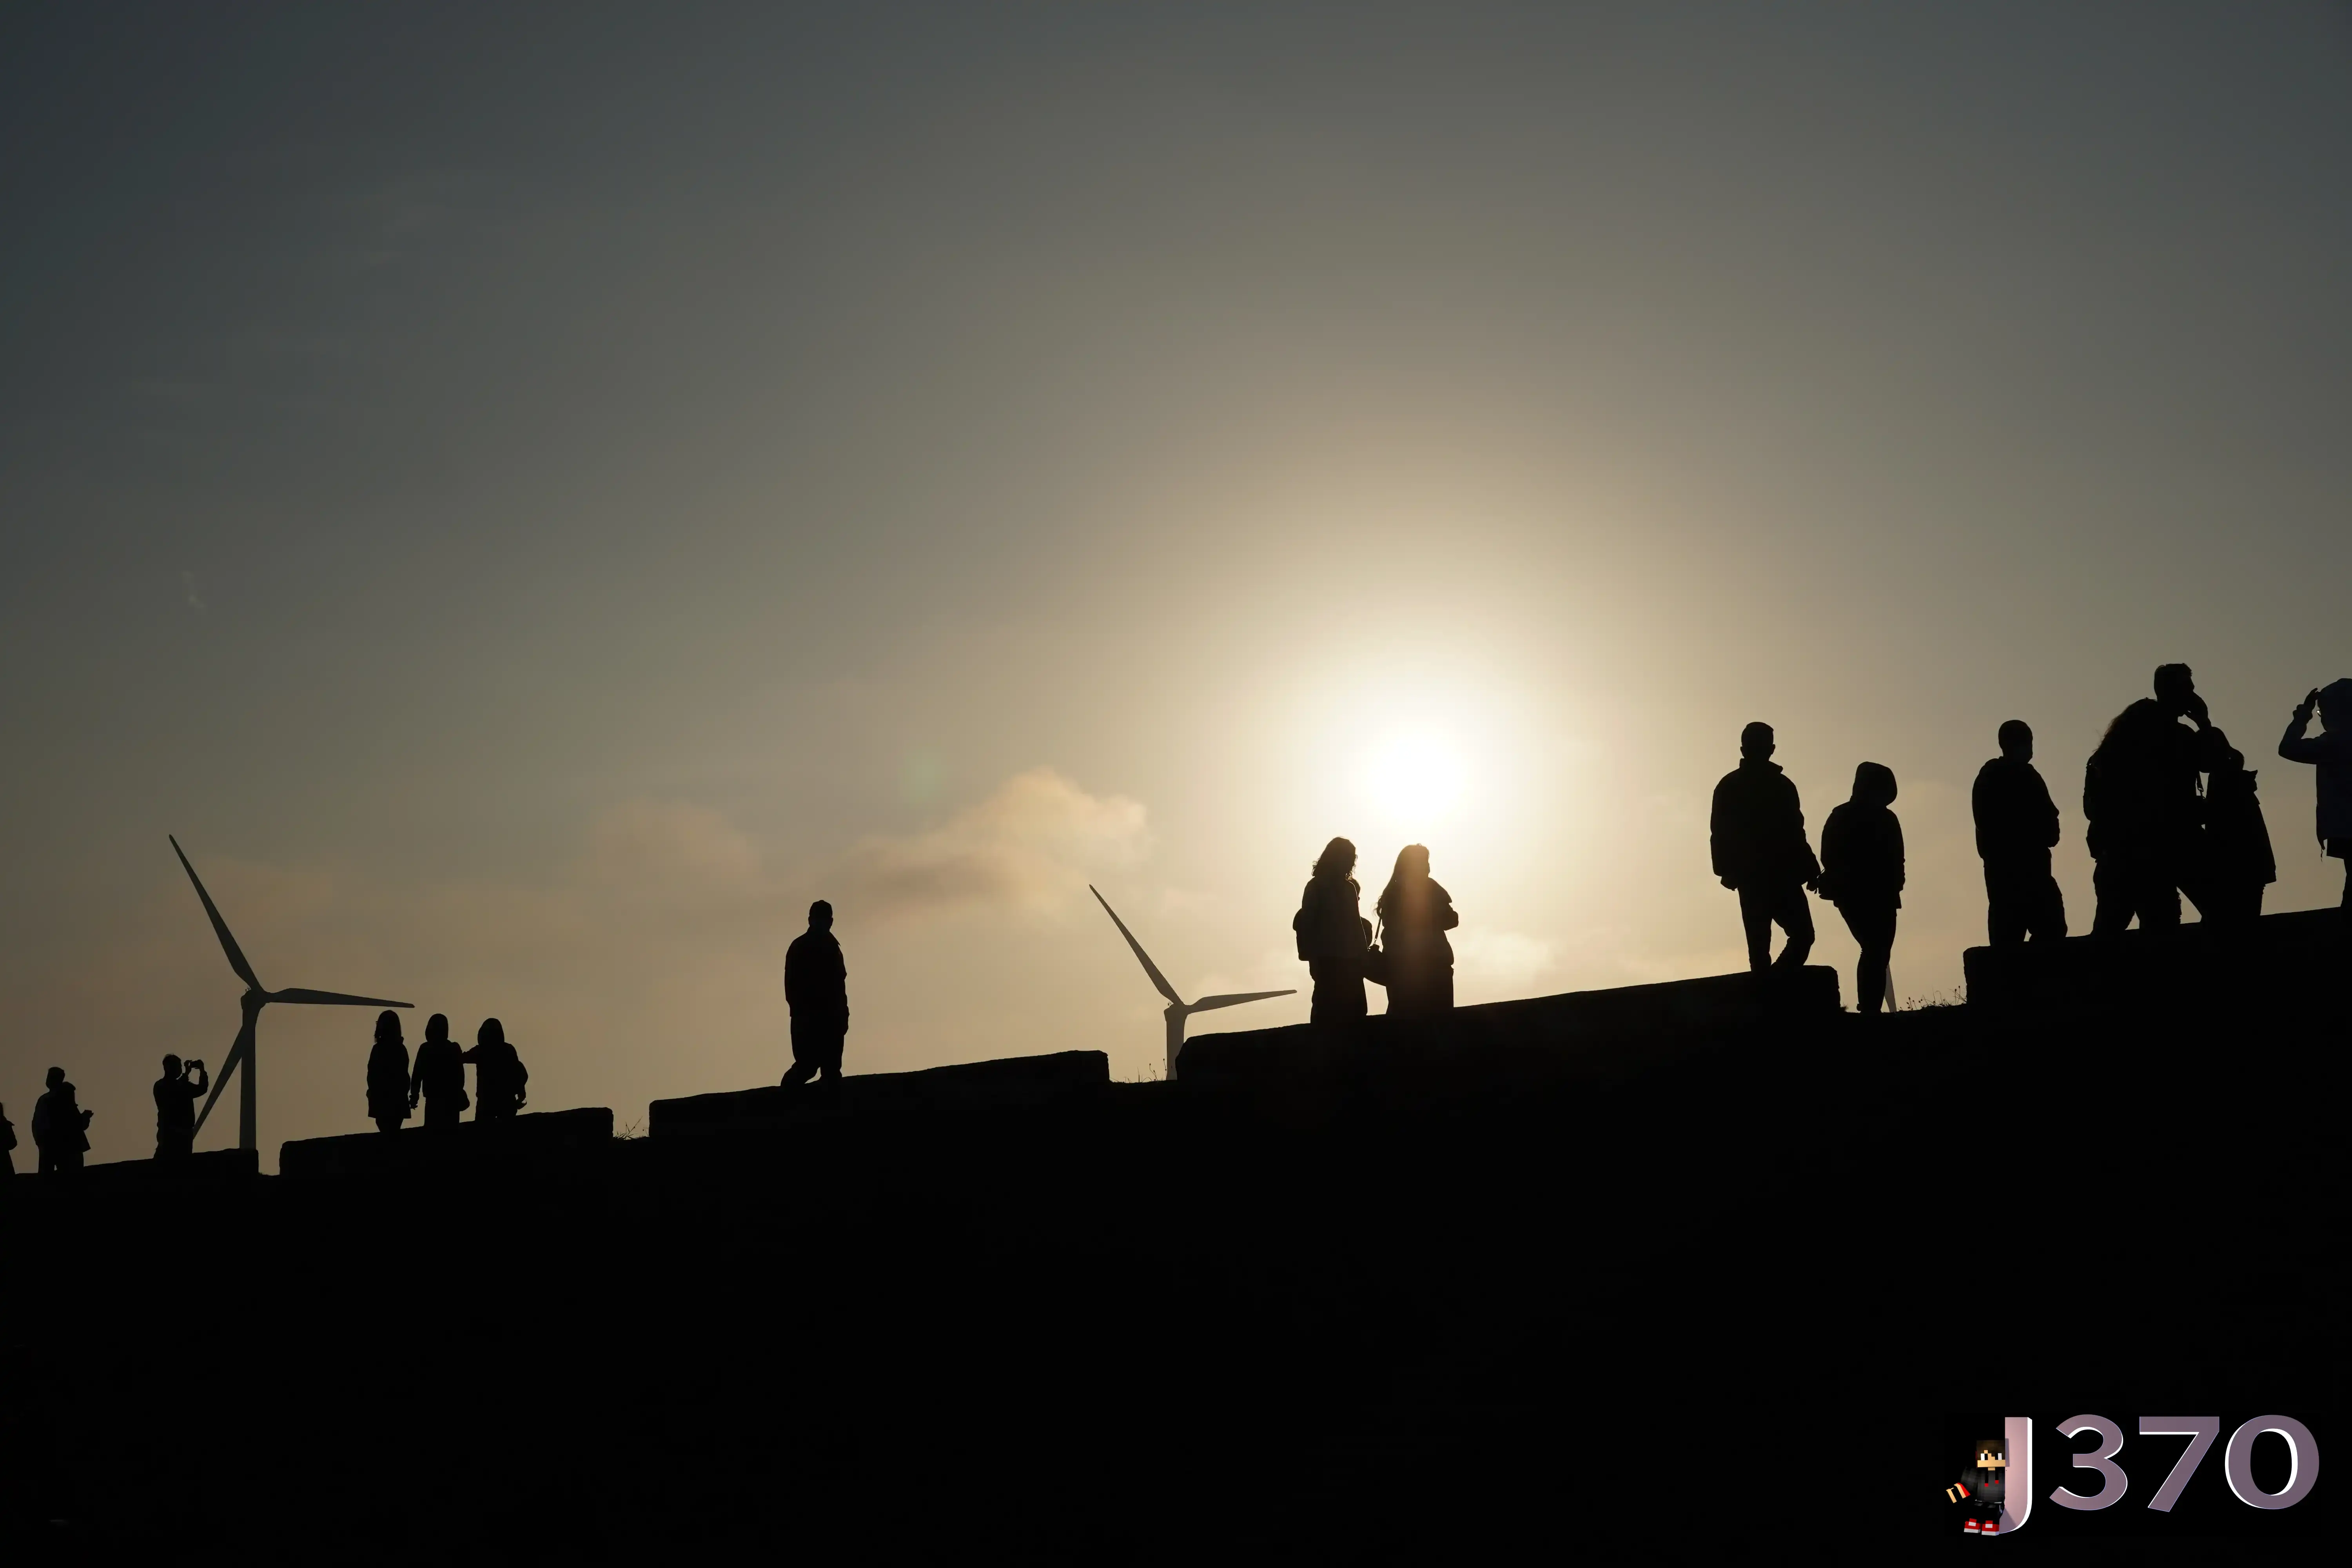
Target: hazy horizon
(531, 505)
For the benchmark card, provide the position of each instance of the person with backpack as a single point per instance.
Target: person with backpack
(1756, 834)
(1334, 938)
(499, 1077)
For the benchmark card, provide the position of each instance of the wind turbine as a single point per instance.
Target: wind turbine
(1178, 1009)
(240, 1055)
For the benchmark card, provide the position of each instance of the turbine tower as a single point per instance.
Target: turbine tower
(240, 1055)
(1178, 1009)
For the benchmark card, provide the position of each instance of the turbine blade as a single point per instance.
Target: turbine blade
(227, 1071)
(1140, 956)
(334, 998)
(220, 927)
(1205, 1002)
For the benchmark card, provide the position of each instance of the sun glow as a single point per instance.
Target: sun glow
(1415, 778)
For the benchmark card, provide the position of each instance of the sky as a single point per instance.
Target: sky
(534, 497)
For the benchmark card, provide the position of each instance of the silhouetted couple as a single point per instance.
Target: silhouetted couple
(176, 1093)
(500, 1081)
(816, 989)
(2155, 833)
(1756, 838)
(1414, 958)
(2332, 751)
(60, 1126)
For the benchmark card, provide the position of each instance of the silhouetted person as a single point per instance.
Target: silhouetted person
(2017, 827)
(1861, 874)
(2235, 863)
(1416, 914)
(60, 1126)
(176, 1093)
(440, 1080)
(2333, 751)
(499, 1076)
(387, 1075)
(1333, 935)
(1757, 834)
(2141, 799)
(816, 988)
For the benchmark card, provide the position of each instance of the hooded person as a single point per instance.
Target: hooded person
(1756, 836)
(1416, 914)
(440, 1078)
(1334, 938)
(1861, 874)
(2331, 752)
(387, 1075)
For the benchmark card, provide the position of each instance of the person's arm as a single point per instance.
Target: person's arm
(1896, 824)
(1714, 836)
(2292, 745)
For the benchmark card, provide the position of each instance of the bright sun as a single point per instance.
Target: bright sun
(1415, 778)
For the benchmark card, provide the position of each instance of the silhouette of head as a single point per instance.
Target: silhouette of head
(56, 1077)
(1411, 861)
(1756, 741)
(2174, 689)
(2336, 704)
(820, 916)
(387, 1027)
(492, 1033)
(1874, 784)
(1339, 858)
(171, 1066)
(437, 1027)
(2017, 740)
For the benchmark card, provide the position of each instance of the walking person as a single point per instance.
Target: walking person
(499, 1076)
(1756, 834)
(1861, 874)
(388, 1083)
(440, 1077)
(1416, 914)
(1334, 937)
(2235, 863)
(816, 989)
(2332, 752)
(60, 1126)
(2140, 800)
(176, 1093)
(2017, 827)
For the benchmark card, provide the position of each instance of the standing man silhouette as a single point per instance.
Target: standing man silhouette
(1756, 832)
(2017, 827)
(176, 1093)
(60, 1126)
(816, 988)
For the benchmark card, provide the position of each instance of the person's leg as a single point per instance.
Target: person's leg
(1795, 914)
(800, 1072)
(2005, 912)
(2159, 902)
(2049, 922)
(2113, 882)
(1756, 920)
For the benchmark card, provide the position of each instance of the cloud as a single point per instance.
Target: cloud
(1030, 845)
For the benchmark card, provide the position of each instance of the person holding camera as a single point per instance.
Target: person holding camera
(176, 1093)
